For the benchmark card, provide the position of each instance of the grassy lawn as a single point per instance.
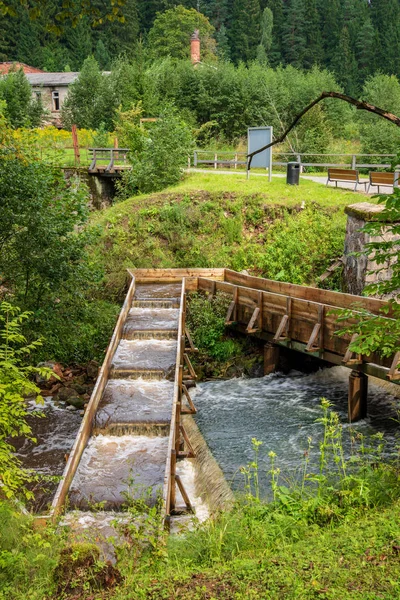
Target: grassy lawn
(275, 191)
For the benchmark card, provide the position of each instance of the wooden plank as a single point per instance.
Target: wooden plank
(333, 299)
(175, 274)
(193, 409)
(192, 347)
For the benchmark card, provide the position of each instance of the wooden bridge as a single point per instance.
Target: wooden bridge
(143, 391)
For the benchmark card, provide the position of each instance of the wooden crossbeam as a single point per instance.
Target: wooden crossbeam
(191, 453)
(229, 314)
(184, 494)
(250, 327)
(192, 410)
(348, 357)
(189, 366)
(283, 327)
(394, 373)
(315, 343)
(192, 347)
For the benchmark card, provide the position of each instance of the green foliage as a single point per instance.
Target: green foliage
(20, 110)
(90, 101)
(158, 155)
(171, 32)
(206, 321)
(378, 135)
(15, 386)
(43, 262)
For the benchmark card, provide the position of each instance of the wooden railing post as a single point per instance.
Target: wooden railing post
(215, 161)
(353, 162)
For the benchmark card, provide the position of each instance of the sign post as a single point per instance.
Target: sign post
(258, 137)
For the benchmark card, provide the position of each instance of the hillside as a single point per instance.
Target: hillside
(224, 221)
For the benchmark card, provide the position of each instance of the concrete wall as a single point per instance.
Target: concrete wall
(101, 189)
(362, 270)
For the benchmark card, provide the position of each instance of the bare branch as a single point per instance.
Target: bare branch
(357, 103)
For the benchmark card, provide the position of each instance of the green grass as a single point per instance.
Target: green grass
(211, 220)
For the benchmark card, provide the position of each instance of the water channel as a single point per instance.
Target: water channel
(279, 410)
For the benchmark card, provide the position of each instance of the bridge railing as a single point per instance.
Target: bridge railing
(234, 160)
(107, 160)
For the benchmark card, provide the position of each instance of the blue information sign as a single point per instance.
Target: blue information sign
(257, 137)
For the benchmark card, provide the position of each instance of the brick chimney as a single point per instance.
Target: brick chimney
(195, 47)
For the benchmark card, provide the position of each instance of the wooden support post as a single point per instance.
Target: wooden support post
(271, 357)
(184, 495)
(192, 410)
(190, 452)
(172, 502)
(358, 393)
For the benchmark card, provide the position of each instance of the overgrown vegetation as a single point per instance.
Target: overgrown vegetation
(251, 225)
(44, 266)
(15, 386)
(334, 532)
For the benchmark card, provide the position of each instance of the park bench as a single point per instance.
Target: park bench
(346, 176)
(378, 179)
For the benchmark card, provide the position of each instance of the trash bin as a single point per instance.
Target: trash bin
(293, 173)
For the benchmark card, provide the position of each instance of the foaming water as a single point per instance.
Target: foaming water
(114, 469)
(281, 411)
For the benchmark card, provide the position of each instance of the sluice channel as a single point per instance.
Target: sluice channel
(141, 436)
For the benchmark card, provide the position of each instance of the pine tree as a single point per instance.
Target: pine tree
(264, 47)
(386, 20)
(294, 34)
(102, 56)
(244, 32)
(365, 51)
(313, 52)
(276, 53)
(223, 47)
(345, 65)
(79, 40)
(331, 27)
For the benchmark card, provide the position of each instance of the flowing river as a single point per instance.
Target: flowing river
(279, 410)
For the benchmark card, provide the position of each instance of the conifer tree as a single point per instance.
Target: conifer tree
(331, 28)
(294, 35)
(276, 54)
(244, 32)
(313, 52)
(345, 65)
(365, 50)
(386, 20)
(264, 47)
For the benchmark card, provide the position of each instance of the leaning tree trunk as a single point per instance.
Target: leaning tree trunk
(357, 103)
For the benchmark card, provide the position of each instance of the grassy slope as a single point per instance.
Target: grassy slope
(222, 220)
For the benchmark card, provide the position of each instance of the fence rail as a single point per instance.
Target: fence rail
(234, 159)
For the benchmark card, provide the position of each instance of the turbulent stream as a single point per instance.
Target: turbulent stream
(279, 410)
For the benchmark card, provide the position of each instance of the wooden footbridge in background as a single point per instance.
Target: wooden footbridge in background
(143, 385)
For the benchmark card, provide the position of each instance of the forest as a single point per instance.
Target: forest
(352, 38)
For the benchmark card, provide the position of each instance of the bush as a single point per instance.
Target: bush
(158, 154)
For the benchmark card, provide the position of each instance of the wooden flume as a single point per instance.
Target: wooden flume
(282, 315)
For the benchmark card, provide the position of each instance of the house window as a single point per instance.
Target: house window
(38, 95)
(56, 100)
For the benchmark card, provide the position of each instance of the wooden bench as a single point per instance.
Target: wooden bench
(378, 179)
(345, 175)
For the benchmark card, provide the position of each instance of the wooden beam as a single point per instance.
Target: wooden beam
(191, 453)
(281, 332)
(394, 373)
(192, 347)
(358, 394)
(271, 357)
(193, 409)
(189, 366)
(250, 327)
(315, 343)
(231, 310)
